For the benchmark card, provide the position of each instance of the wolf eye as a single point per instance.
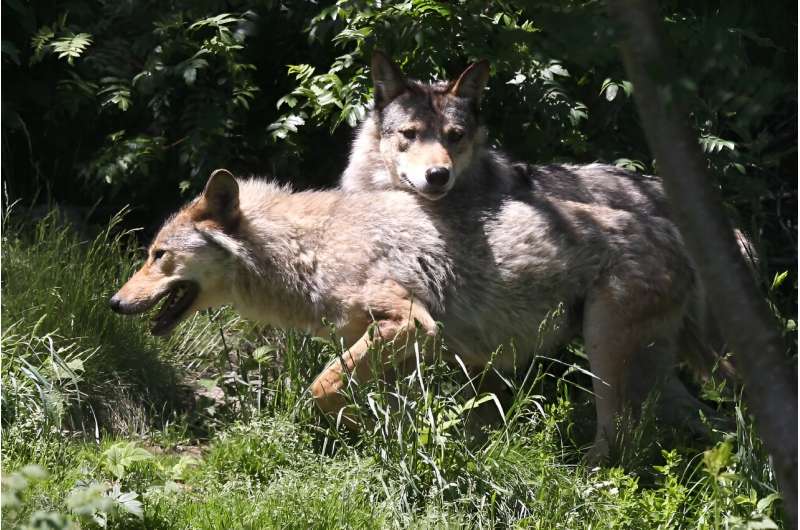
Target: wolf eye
(158, 254)
(454, 135)
(409, 134)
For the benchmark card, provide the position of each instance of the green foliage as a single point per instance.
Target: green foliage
(72, 46)
(119, 457)
(244, 451)
(69, 362)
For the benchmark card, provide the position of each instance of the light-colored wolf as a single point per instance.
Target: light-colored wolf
(428, 139)
(490, 267)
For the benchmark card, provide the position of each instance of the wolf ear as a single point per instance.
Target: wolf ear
(471, 82)
(387, 78)
(221, 197)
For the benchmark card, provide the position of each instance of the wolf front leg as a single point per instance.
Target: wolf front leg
(393, 335)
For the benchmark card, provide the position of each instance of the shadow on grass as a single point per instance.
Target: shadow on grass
(65, 352)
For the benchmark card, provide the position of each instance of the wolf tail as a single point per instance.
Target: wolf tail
(701, 342)
(704, 354)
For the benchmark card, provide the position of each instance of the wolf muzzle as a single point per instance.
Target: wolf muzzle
(437, 177)
(115, 304)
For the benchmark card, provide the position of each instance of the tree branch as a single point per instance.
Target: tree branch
(748, 325)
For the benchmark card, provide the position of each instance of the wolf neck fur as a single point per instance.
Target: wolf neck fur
(367, 169)
(277, 254)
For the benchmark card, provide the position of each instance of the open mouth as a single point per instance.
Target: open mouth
(177, 299)
(405, 179)
(434, 196)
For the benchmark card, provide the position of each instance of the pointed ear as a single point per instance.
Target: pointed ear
(387, 78)
(471, 82)
(221, 198)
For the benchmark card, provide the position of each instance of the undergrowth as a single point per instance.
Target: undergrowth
(105, 426)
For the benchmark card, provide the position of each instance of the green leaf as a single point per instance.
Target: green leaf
(578, 114)
(323, 341)
(89, 499)
(476, 402)
(120, 456)
(40, 42)
(779, 279)
(627, 163)
(766, 502)
(714, 144)
(127, 502)
(72, 47)
(288, 99)
(76, 365)
(717, 458)
(220, 21)
(627, 86)
(115, 91)
(557, 69)
(208, 384)
(518, 79)
(179, 470)
(190, 75)
(261, 354)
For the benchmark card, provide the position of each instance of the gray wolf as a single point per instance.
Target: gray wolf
(382, 266)
(428, 139)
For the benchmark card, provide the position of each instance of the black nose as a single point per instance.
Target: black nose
(114, 303)
(437, 176)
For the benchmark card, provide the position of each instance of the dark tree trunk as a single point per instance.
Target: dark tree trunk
(770, 380)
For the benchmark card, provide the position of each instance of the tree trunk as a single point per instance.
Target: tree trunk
(746, 321)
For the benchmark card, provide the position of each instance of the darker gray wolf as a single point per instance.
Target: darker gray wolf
(428, 139)
(383, 266)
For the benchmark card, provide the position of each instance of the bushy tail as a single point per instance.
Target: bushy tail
(704, 352)
(702, 345)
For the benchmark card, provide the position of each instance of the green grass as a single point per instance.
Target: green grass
(212, 428)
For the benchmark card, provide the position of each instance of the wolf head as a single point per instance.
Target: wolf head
(189, 264)
(429, 133)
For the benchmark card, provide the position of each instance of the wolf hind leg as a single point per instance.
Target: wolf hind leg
(630, 355)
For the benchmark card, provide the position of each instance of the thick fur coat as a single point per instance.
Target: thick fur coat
(491, 268)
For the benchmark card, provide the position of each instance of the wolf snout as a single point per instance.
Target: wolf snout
(118, 305)
(115, 304)
(437, 176)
